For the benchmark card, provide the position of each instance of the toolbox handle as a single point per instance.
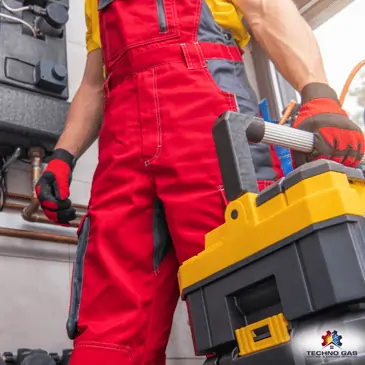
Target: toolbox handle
(292, 138)
(283, 136)
(232, 133)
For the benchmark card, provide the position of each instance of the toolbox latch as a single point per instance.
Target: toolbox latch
(262, 335)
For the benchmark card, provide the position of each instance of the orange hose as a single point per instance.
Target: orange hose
(349, 80)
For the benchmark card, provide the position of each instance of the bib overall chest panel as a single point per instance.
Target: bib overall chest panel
(127, 26)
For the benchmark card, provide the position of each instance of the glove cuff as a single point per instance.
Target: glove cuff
(63, 155)
(318, 90)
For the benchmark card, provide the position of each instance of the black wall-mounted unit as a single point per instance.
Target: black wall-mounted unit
(36, 63)
(33, 73)
(28, 119)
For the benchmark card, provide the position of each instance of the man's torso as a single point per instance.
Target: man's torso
(200, 38)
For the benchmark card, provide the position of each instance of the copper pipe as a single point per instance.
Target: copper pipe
(27, 198)
(39, 218)
(287, 112)
(19, 196)
(30, 212)
(36, 155)
(37, 236)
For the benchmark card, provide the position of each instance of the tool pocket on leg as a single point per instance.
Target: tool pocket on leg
(77, 277)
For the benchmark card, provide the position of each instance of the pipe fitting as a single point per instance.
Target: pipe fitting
(36, 155)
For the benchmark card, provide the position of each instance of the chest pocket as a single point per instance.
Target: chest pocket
(126, 24)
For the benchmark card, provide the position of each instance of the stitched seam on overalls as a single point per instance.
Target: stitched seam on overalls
(231, 100)
(198, 11)
(148, 68)
(199, 51)
(187, 56)
(105, 346)
(158, 119)
(106, 46)
(143, 43)
(211, 81)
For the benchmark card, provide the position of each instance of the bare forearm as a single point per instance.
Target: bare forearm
(288, 40)
(86, 112)
(83, 122)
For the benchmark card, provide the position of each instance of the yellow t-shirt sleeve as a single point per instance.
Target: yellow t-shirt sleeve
(92, 25)
(229, 16)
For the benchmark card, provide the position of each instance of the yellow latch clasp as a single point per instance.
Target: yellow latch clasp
(275, 332)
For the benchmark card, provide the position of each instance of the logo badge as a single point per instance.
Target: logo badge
(331, 339)
(332, 345)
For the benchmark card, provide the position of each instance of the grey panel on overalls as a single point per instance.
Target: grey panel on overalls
(77, 279)
(161, 234)
(162, 244)
(231, 77)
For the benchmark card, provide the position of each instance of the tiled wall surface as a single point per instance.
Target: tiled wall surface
(35, 276)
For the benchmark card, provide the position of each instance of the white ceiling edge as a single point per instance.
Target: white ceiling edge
(316, 12)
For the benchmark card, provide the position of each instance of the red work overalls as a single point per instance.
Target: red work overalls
(171, 72)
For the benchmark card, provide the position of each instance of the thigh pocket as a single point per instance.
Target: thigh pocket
(77, 277)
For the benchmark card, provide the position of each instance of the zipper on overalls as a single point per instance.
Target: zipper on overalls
(161, 15)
